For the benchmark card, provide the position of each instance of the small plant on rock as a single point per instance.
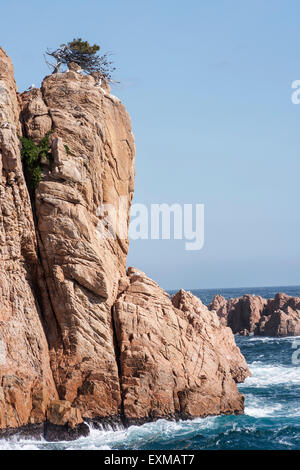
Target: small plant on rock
(33, 157)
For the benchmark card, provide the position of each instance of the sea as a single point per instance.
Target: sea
(272, 404)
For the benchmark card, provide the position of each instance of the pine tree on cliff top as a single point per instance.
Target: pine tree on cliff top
(84, 55)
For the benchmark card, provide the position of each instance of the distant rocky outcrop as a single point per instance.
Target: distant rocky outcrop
(280, 317)
(81, 339)
(253, 314)
(219, 305)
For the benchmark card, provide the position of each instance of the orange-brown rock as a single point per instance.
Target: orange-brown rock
(244, 313)
(64, 422)
(61, 412)
(79, 338)
(219, 305)
(93, 152)
(281, 317)
(282, 302)
(253, 314)
(26, 382)
(240, 314)
(176, 359)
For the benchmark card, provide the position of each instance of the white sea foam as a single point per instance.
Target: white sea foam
(134, 437)
(269, 339)
(161, 430)
(264, 375)
(257, 407)
(16, 444)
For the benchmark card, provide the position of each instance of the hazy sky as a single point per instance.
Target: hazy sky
(208, 87)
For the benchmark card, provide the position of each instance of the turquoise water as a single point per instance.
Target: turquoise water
(272, 412)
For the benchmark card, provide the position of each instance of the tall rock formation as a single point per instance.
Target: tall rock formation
(79, 337)
(26, 382)
(93, 165)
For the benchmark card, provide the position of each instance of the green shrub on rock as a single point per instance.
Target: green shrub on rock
(33, 157)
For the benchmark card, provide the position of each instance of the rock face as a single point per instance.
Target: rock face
(240, 314)
(253, 314)
(281, 317)
(244, 313)
(171, 363)
(81, 339)
(26, 381)
(219, 305)
(64, 422)
(93, 152)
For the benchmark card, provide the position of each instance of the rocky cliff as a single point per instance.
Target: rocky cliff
(79, 337)
(93, 164)
(26, 380)
(253, 314)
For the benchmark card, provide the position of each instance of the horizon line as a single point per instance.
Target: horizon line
(230, 288)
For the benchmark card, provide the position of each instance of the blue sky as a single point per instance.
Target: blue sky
(208, 87)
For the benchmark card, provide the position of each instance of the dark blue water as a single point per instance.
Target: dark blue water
(206, 295)
(272, 412)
